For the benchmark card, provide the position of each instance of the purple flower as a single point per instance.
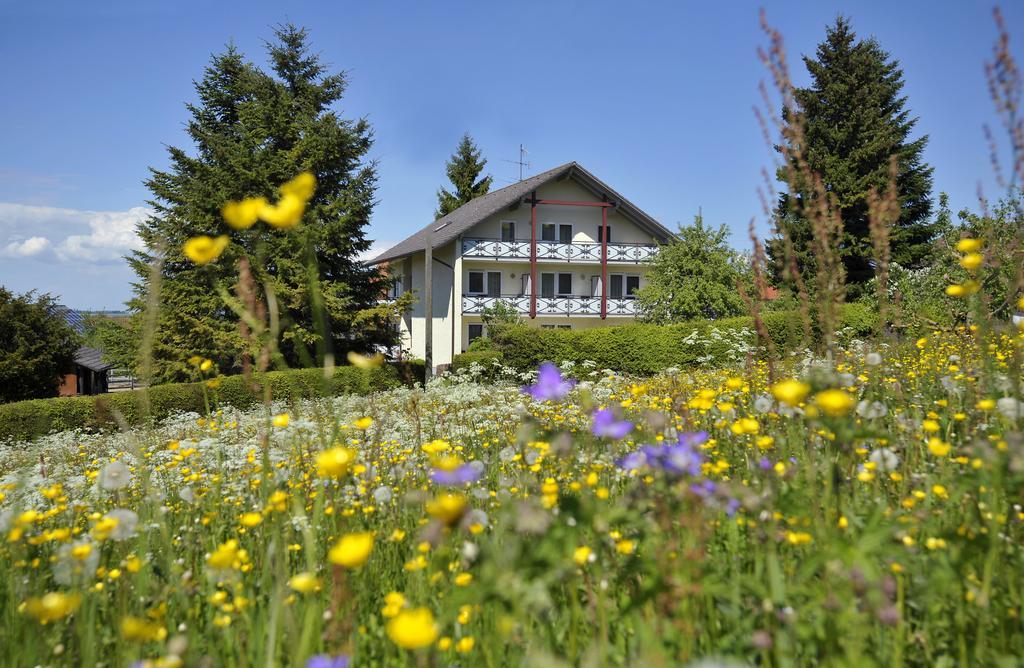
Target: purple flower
(682, 457)
(633, 460)
(327, 661)
(606, 424)
(460, 475)
(765, 464)
(550, 385)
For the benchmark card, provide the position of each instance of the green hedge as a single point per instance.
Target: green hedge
(25, 420)
(644, 349)
(484, 358)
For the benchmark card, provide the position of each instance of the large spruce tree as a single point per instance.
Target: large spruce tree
(254, 130)
(856, 119)
(463, 169)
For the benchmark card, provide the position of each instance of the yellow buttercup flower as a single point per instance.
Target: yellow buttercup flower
(286, 214)
(791, 392)
(335, 462)
(581, 555)
(834, 402)
(413, 629)
(938, 447)
(363, 423)
(955, 290)
(244, 214)
(142, 630)
(393, 604)
(250, 519)
(52, 606)
(281, 420)
(304, 583)
(968, 245)
(204, 249)
(971, 261)
(302, 187)
(447, 508)
(465, 645)
(352, 550)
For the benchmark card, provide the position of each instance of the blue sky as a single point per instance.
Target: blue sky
(655, 98)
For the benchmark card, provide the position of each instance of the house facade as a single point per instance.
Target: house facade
(562, 248)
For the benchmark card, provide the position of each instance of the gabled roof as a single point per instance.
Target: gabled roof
(92, 359)
(449, 227)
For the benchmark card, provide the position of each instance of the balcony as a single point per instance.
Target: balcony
(565, 305)
(557, 251)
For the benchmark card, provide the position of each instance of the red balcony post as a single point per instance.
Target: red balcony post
(604, 262)
(533, 256)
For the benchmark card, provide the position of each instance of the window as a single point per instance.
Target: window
(561, 232)
(508, 230)
(547, 285)
(615, 286)
(632, 285)
(600, 231)
(494, 284)
(476, 282)
(476, 330)
(552, 285)
(565, 284)
(485, 283)
(623, 286)
(396, 287)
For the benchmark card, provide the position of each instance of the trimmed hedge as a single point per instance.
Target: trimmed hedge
(644, 349)
(484, 358)
(25, 420)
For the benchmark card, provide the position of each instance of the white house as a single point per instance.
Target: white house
(547, 246)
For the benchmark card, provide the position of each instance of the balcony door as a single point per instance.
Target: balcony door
(560, 232)
(556, 285)
(623, 286)
(485, 283)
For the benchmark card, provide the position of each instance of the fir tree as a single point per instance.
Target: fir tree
(856, 120)
(463, 169)
(254, 130)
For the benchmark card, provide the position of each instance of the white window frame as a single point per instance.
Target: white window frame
(485, 273)
(625, 289)
(558, 232)
(557, 274)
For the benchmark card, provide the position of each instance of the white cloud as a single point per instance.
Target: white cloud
(375, 249)
(72, 234)
(27, 248)
(112, 234)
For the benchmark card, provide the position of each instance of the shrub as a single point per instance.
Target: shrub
(25, 420)
(485, 358)
(645, 349)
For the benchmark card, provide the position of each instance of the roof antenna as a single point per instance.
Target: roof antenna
(521, 161)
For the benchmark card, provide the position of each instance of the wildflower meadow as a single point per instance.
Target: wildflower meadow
(858, 501)
(867, 511)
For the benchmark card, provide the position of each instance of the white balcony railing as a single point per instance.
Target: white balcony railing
(572, 305)
(557, 251)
